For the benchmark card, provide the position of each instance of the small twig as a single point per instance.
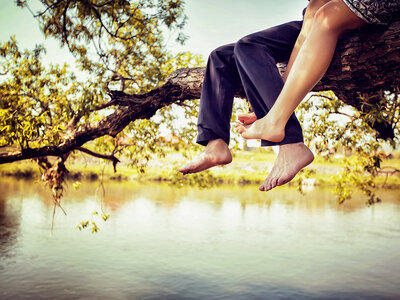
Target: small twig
(48, 7)
(114, 35)
(320, 96)
(105, 105)
(352, 118)
(111, 157)
(392, 172)
(52, 220)
(101, 5)
(59, 205)
(64, 33)
(183, 104)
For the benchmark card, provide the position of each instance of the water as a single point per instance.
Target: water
(224, 243)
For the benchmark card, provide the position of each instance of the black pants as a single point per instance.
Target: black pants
(250, 62)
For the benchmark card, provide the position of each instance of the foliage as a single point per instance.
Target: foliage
(333, 127)
(122, 37)
(92, 222)
(38, 102)
(201, 180)
(117, 45)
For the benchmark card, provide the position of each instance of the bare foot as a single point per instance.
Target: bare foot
(248, 118)
(264, 129)
(291, 159)
(216, 153)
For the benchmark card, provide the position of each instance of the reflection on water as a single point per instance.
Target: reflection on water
(225, 243)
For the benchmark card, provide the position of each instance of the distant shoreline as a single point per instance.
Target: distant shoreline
(248, 168)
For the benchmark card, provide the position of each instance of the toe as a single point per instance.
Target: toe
(242, 118)
(240, 128)
(282, 181)
(247, 118)
(186, 167)
(284, 178)
(263, 186)
(268, 185)
(274, 183)
(184, 172)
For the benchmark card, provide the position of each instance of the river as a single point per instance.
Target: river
(230, 242)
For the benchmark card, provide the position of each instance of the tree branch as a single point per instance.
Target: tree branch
(48, 7)
(366, 62)
(111, 157)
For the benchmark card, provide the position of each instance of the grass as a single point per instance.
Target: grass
(248, 167)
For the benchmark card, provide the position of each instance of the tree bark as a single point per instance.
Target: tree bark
(366, 61)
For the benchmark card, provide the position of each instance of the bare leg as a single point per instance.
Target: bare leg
(216, 153)
(312, 8)
(311, 63)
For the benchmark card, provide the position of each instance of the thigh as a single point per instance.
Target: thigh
(278, 40)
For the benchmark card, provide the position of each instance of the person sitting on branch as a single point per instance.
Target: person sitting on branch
(308, 47)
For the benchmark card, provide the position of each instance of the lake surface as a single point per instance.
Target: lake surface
(232, 242)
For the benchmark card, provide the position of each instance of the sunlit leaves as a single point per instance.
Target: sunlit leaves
(120, 44)
(124, 38)
(332, 127)
(84, 224)
(38, 102)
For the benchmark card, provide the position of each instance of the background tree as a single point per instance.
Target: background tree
(120, 45)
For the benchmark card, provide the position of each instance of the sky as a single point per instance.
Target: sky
(211, 23)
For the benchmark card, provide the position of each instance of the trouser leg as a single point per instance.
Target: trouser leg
(220, 82)
(256, 56)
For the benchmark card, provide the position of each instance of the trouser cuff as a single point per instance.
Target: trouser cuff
(206, 136)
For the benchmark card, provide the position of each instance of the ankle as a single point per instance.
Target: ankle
(292, 147)
(218, 151)
(217, 144)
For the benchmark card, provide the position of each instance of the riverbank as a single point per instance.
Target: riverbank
(248, 167)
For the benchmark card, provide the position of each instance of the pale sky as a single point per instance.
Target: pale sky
(211, 23)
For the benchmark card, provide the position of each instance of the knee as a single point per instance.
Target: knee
(239, 45)
(313, 7)
(326, 19)
(244, 45)
(221, 52)
(322, 20)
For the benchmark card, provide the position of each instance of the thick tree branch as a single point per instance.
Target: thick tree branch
(366, 62)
